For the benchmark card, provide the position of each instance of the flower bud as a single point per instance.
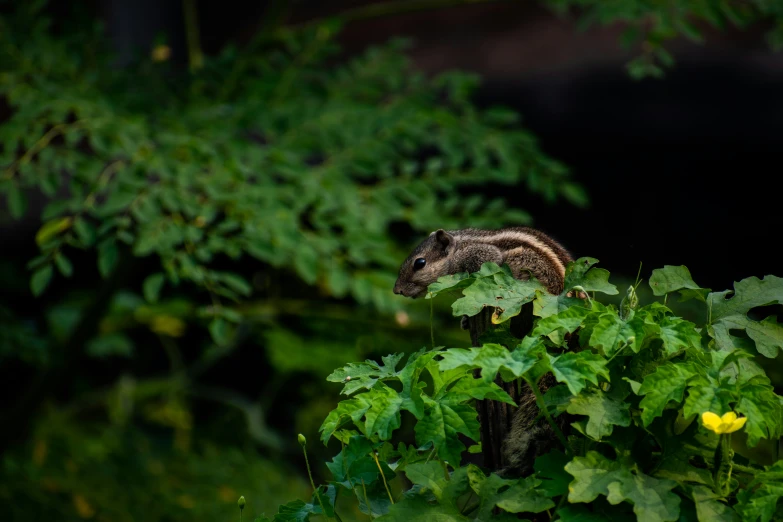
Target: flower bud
(302, 440)
(241, 502)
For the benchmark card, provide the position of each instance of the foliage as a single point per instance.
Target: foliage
(301, 165)
(636, 386)
(654, 24)
(256, 207)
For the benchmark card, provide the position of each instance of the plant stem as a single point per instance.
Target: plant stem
(195, 55)
(367, 500)
(545, 411)
(374, 456)
(432, 328)
(310, 474)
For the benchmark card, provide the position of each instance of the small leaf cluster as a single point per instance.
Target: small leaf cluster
(634, 381)
(281, 154)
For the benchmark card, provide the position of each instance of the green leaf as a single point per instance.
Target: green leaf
(678, 335)
(364, 375)
(40, 279)
(84, 230)
(441, 425)
(51, 229)
(604, 412)
(575, 369)
(580, 274)
(17, 201)
(759, 500)
(550, 467)
(63, 264)
(152, 286)
(568, 320)
(498, 289)
(383, 417)
(579, 514)
(235, 282)
(703, 396)
(490, 358)
(514, 496)
(729, 312)
(108, 255)
(350, 410)
(417, 509)
(449, 282)
(763, 408)
(220, 331)
(594, 474)
(666, 383)
(711, 508)
(673, 278)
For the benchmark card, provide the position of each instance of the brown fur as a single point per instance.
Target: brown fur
(526, 251)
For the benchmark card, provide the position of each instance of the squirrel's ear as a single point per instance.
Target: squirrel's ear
(444, 239)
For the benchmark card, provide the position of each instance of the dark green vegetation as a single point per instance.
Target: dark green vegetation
(638, 387)
(205, 246)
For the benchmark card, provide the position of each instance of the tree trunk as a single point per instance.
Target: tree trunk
(495, 417)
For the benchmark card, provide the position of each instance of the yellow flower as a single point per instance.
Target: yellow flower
(728, 423)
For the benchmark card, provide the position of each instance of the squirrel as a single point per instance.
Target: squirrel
(526, 251)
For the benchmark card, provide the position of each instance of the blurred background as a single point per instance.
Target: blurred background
(203, 207)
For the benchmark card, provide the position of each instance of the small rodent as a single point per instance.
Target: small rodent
(526, 251)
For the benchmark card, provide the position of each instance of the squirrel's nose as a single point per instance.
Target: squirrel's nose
(398, 289)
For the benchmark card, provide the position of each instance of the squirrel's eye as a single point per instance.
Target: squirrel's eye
(419, 263)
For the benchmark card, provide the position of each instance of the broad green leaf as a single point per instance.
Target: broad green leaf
(449, 282)
(383, 417)
(40, 279)
(417, 509)
(666, 383)
(350, 410)
(569, 320)
(728, 312)
(580, 273)
(594, 474)
(575, 369)
(499, 290)
(430, 475)
(611, 334)
(441, 425)
(604, 412)
(490, 358)
(364, 375)
(678, 335)
(711, 508)
(550, 469)
(763, 408)
(759, 500)
(703, 397)
(514, 496)
(673, 278)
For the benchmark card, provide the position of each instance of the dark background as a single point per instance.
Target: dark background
(679, 170)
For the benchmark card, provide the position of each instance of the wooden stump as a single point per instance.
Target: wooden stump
(495, 417)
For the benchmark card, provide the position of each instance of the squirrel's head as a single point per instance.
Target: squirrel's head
(425, 265)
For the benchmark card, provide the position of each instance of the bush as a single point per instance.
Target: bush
(655, 398)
